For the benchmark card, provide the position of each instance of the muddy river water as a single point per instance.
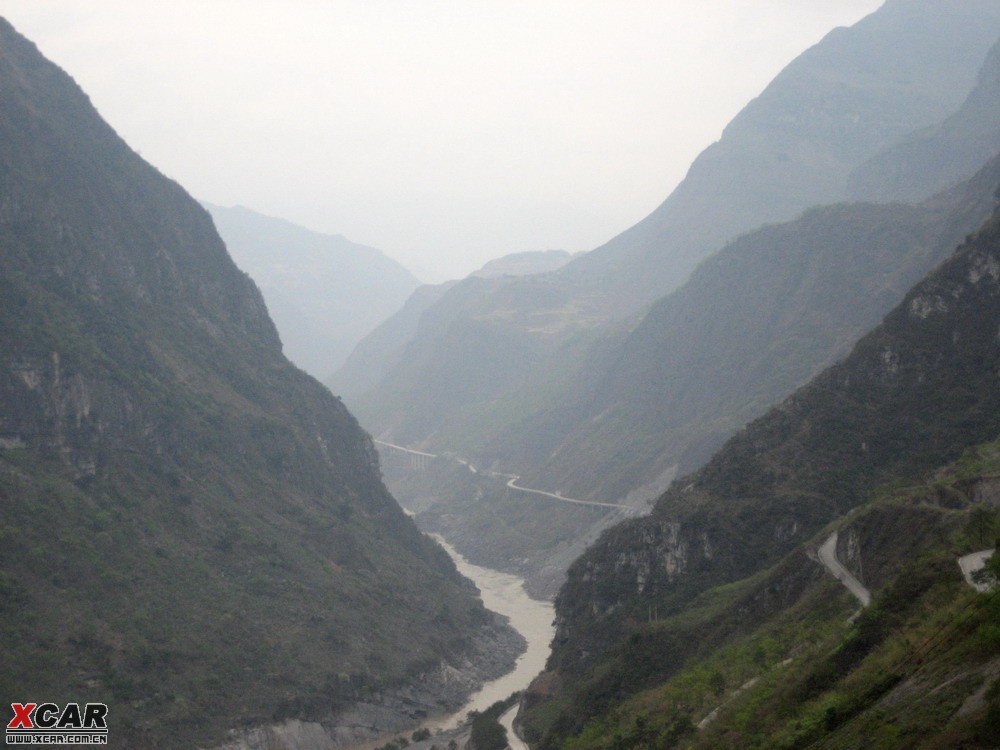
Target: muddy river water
(504, 593)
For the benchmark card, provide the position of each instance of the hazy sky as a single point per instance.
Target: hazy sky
(444, 132)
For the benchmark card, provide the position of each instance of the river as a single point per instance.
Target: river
(533, 619)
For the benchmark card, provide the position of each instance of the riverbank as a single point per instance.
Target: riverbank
(395, 711)
(533, 619)
(504, 658)
(535, 535)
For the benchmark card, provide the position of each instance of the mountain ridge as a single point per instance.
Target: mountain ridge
(757, 320)
(930, 159)
(324, 292)
(188, 519)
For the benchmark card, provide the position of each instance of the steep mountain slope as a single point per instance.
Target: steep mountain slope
(933, 158)
(778, 660)
(485, 343)
(324, 292)
(375, 355)
(860, 89)
(754, 322)
(910, 64)
(909, 398)
(194, 531)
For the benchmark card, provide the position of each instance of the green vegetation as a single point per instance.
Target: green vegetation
(526, 381)
(193, 531)
(487, 733)
(397, 744)
(797, 672)
(552, 376)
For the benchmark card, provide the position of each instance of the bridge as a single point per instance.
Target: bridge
(418, 459)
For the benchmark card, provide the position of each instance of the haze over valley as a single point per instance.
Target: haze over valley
(352, 430)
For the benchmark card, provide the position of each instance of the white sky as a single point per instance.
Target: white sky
(444, 132)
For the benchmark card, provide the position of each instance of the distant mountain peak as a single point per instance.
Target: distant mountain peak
(324, 292)
(524, 264)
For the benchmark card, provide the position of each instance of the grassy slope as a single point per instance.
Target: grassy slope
(791, 670)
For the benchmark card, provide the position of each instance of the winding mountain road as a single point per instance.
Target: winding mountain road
(406, 450)
(507, 722)
(511, 479)
(555, 495)
(828, 557)
(827, 553)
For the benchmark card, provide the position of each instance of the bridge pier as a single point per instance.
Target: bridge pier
(415, 460)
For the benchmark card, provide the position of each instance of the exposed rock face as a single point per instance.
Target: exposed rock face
(988, 491)
(187, 519)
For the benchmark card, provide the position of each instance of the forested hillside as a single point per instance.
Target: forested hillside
(194, 531)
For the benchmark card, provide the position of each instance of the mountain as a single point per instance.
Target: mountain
(909, 65)
(911, 397)
(380, 351)
(194, 531)
(524, 264)
(932, 158)
(787, 658)
(754, 322)
(324, 292)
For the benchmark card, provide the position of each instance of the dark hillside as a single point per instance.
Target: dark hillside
(194, 531)
(787, 659)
